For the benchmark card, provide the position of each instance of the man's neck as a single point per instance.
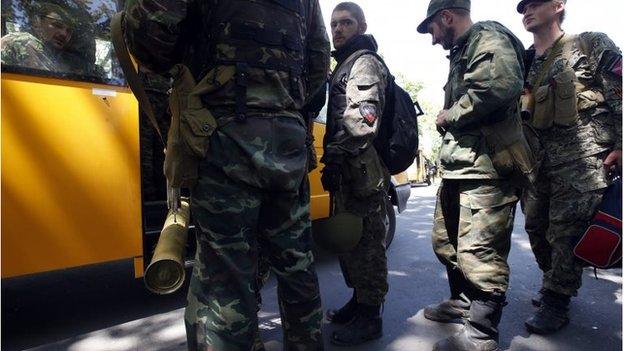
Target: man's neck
(462, 28)
(544, 38)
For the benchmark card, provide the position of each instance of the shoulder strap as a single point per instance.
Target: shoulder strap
(130, 73)
(554, 52)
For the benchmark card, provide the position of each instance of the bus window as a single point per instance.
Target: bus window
(60, 38)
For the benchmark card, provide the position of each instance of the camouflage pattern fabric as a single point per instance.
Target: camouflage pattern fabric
(238, 214)
(156, 29)
(352, 94)
(572, 178)
(365, 268)
(558, 211)
(251, 194)
(23, 49)
(473, 221)
(356, 102)
(485, 82)
(599, 125)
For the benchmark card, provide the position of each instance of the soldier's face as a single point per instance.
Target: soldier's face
(344, 27)
(441, 32)
(541, 14)
(54, 32)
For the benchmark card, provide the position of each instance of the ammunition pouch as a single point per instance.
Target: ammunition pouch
(365, 174)
(566, 113)
(516, 151)
(544, 111)
(192, 124)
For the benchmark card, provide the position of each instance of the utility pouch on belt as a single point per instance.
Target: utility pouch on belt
(365, 175)
(517, 153)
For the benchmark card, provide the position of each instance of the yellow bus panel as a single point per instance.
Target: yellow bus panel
(70, 174)
(319, 198)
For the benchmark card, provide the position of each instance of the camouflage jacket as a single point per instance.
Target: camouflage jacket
(23, 49)
(596, 96)
(483, 88)
(356, 102)
(161, 33)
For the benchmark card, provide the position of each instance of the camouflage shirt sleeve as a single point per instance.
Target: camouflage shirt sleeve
(153, 30)
(365, 103)
(607, 60)
(317, 63)
(493, 79)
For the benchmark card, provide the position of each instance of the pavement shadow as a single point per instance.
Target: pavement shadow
(45, 308)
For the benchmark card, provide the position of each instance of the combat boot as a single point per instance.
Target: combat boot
(458, 306)
(537, 299)
(551, 316)
(366, 326)
(345, 314)
(480, 331)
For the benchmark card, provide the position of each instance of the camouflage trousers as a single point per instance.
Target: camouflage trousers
(235, 220)
(558, 211)
(365, 268)
(473, 221)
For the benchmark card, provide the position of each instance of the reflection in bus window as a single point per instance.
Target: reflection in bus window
(61, 38)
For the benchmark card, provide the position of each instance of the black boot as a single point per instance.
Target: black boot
(537, 299)
(458, 306)
(552, 314)
(366, 326)
(480, 332)
(345, 314)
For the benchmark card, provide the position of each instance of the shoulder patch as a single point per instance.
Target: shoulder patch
(369, 113)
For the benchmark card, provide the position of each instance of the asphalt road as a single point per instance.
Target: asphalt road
(103, 308)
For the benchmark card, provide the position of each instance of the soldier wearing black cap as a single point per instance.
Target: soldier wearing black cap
(476, 202)
(574, 102)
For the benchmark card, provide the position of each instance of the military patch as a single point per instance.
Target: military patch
(616, 66)
(369, 113)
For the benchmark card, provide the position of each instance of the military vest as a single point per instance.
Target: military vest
(265, 41)
(559, 99)
(570, 109)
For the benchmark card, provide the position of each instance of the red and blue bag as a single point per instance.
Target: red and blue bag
(601, 245)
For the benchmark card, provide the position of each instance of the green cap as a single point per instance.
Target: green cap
(436, 6)
(523, 3)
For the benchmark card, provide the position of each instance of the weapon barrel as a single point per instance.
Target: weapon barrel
(165, 273)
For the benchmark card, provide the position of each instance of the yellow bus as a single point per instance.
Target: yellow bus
(71, 186)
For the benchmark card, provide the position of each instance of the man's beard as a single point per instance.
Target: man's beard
(448, 38)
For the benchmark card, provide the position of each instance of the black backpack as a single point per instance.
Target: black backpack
(397, 138)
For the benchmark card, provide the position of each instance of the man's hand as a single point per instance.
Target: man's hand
(330, 177)
(614, 157)
(441, 119)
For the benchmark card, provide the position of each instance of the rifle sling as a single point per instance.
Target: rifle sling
(121, 49)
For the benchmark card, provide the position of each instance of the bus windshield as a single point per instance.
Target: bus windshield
(67, 39)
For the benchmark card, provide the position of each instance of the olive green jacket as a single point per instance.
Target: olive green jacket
(484, 84)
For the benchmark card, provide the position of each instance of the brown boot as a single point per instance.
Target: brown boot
(480, 332)
(449, 310)
(458, 306)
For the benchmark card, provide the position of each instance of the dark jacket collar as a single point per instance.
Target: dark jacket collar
(358, 42)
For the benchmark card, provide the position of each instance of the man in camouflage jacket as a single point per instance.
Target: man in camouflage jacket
(575, 82)
(354, 173)
(43, 46)
(474, 214)
(264, 59)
